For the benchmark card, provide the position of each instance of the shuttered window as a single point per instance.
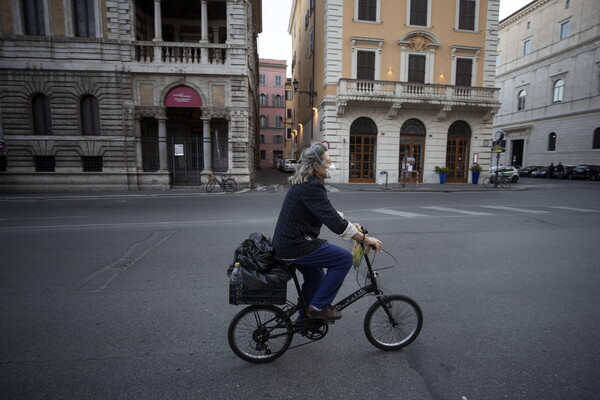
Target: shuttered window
(85, 19)
(464, 71)
(418, 12)
(33, 17)
(416, 68)
(367, 10)
(365, 65)
(466, 17)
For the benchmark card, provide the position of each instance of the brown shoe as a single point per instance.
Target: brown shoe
(328, 313)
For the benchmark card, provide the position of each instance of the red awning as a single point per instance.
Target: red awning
(183, 96)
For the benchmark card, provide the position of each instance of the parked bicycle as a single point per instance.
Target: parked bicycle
(227, 184)
(503, 181)
(260, 333)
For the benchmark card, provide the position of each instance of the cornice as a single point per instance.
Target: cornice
(522, 13)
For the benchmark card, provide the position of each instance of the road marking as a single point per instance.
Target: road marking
(521, 210)
(456, 210)
(575, 209)
(398, 213)
(332, 189)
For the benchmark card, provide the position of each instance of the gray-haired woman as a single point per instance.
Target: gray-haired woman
(305, 210)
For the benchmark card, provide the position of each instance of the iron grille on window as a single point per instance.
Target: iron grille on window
(91, 163)
(45, 163)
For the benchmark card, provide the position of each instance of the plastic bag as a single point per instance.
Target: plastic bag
(260, 269)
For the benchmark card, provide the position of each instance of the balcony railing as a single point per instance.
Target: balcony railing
(182, 53)
(353, 89)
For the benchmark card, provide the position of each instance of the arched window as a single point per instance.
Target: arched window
(90, 116)
(596, 142)
(40, 111)
(278, 121)
(559, 87)
(412, 127)
(364, 126)
(278, 101)
(264, 120)
(84, 18)
(264, 101)
(552, 142)
(521, 100)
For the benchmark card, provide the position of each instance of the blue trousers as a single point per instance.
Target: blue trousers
(319, 288)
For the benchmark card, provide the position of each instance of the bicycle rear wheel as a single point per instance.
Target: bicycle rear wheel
(396, 330)
(487, 182)
(258, 334)
(229, 185)
(505, 183)
(210, 186)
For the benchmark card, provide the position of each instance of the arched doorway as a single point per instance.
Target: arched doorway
(363, 141)
(412, 144)
(457, 151)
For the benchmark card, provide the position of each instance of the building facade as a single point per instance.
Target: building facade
(381, 81)
(272, 81)
(548, 70)
(127, 94)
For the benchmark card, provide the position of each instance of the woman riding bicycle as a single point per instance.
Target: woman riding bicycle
(305, 210)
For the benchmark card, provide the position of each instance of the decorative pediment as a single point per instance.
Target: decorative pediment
(419, 41)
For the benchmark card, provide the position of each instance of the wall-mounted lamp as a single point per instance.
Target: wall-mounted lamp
(315, 110)
(295, 84)
(390, 72)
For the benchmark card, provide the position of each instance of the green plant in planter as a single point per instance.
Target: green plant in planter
(441, 170)
(475, 168)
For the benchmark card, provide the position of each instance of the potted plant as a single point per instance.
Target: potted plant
(475, 171)
(442, 172)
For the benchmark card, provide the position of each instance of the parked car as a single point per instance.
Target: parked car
(507, 170)
(567, 171)
(591, 172)
(289, 165)
(526, 171)
(540, 173)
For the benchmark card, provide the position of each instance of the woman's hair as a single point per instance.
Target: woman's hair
(310, 155)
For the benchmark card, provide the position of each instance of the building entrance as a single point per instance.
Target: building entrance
(457, 152)
(363, 141)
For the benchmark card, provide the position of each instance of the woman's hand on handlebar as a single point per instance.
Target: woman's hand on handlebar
(373, 242)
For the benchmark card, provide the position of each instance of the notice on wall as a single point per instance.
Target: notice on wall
(178, 151)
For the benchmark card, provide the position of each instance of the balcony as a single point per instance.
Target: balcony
(184, 53)
(396, 94)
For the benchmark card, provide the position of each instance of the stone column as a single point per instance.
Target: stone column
(162, 143)
(157, 21)
(204, 21)
(207, 144)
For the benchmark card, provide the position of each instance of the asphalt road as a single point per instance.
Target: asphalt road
(125, 297)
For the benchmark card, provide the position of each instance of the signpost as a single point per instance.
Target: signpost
(498, 146)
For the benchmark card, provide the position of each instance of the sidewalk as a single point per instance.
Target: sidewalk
(267, 177)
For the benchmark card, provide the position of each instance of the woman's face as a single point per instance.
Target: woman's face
(321, 169)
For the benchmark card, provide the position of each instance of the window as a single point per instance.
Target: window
(3, 166)
(418, 12)
(564, 30)
(263, 155)
(278, 80)
(596, 142)
(416, 68)
(262, 79)
(552, 142)
(365, 65)
(264, 120)
(466, 15)
(45, 163)
(277, 139)
(521, 100)
(567, 4)
(84, 18)
(278, 100)
(279, 121)
(40, 110)
(464, 71)
(91, 163)
(526, 47)
(34, 17)
(528, 25)
(262, 139)
(559, 87)
(90, 116)
(367, 10)
(264, 99)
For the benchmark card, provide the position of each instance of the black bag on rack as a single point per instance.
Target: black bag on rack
(260, 269)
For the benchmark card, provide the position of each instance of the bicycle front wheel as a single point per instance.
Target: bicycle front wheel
(393, 322)
(210, 186)
(230, 185)
(487, 182)
(260, 334)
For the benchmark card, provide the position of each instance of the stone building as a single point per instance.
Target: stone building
(384, 80)
(272, 81)
(127, 94)
(548, 70)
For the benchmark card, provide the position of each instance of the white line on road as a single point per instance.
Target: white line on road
(521, 210)
(456, 210)
(398, 213)
(575, 209)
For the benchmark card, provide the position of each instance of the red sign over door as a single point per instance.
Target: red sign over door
(183, 96)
